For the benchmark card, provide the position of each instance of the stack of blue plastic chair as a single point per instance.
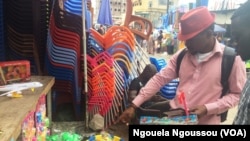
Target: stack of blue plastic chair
(124, 56)
(41, 14)
(63, 58)
(93, 46)
(169, 90)
(2, 45)
(20, 39)
(75, 7)
(26, 30)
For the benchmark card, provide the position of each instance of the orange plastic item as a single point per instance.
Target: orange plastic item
(145, 24)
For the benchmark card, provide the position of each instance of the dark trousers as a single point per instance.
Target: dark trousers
(158, 50)
(170, 49)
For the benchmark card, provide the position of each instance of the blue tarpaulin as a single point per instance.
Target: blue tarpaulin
(165, 21)
(105, 16)
(202, 3)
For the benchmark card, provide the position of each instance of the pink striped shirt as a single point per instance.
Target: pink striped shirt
(200, 82)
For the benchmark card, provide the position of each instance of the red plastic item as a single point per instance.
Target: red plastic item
(182, 100)
(14, 71)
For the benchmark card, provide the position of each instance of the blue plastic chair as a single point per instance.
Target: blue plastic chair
(169, 90)
(75, 7)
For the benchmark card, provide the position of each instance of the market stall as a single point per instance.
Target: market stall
(14, 111)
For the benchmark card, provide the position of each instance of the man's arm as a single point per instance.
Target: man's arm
(132, 94)
(237, 80)
(157, 81)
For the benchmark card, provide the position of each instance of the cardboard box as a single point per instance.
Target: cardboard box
(14, 71)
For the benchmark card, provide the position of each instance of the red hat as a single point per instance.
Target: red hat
(195, 21)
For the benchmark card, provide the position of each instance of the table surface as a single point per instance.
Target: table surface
(14, 110)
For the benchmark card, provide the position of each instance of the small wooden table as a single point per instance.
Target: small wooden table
(14, 110)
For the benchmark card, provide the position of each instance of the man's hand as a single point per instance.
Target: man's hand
(127, 115)
(200, 111)
(157, 98)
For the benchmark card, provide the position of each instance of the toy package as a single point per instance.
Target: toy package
(104, 136)
(41, 121)
(28, 127)
(177, 120)
(14, 71)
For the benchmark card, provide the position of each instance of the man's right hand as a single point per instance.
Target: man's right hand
(127, 115)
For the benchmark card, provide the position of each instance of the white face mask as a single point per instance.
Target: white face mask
(202, 56)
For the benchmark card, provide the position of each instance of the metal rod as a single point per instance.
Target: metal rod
(85, 63)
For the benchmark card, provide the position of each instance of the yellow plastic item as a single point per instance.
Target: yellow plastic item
(32, 89)
(116, 138)
(16, 95)
(98, 137)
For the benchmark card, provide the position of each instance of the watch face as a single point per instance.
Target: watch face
(140, 84)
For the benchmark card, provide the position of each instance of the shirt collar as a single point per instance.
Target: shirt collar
(217, 48)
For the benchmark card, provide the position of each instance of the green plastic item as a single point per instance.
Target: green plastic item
(64, 136)
(47, 123)
(248, 64)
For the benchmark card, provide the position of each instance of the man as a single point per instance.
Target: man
(159, 41)
(241, 35)
(150, 43)
(170, 45)
(101, 30)
(137, 83)
(199, 74)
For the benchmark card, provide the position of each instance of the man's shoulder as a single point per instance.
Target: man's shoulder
(134, 84)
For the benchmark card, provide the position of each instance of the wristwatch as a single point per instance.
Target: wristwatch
(133, 106)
